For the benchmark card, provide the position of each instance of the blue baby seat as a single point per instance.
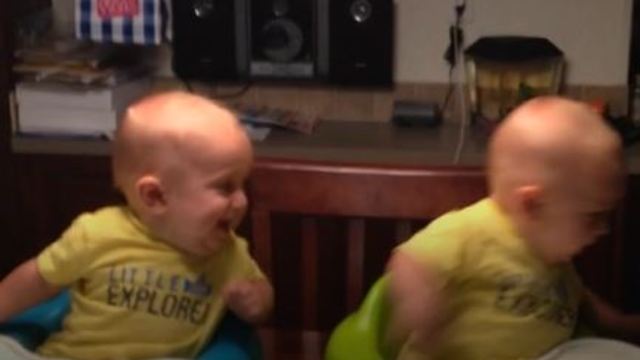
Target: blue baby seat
(234, 339)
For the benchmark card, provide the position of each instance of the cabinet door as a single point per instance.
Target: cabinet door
(627, 261)
(52, 191)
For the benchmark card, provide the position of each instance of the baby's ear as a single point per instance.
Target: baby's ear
(151, 193)
(529, 199)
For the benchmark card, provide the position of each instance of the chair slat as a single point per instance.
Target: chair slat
(312, 345)
(355, 262)
(309, 274)
(261, 236)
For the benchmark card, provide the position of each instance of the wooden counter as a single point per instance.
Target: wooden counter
(368, 142)
(360, 142)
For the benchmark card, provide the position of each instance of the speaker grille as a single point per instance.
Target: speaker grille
(209, 39)
(361, 42)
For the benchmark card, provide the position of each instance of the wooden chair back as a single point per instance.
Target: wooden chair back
(323, 231)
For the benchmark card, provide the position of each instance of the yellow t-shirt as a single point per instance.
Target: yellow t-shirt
(502, 301)
(132, 295)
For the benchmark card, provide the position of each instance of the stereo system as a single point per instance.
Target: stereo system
(345, 42)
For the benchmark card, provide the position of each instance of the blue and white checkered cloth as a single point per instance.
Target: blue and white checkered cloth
(120, 21)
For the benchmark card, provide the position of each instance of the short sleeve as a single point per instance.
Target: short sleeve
(245, 266)
(440, 246)
(66, 259)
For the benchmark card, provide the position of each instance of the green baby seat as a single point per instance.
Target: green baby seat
(361, 336)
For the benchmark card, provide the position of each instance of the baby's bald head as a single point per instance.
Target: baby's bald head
(163, 131)
(551, 140)
(556, 169)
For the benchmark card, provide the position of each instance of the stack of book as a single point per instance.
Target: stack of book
(45, 108)
(76, 88)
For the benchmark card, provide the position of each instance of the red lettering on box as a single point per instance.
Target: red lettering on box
(114, 8)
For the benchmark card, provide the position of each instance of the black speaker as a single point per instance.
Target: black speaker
(210, 39)
(360, 42)
(282, 39)
(344, 42)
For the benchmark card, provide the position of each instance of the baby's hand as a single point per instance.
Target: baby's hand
(251, 300)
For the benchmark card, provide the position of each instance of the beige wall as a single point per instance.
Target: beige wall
(594, 34)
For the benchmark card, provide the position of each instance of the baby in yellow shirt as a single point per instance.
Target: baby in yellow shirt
(494, 280)
(152, 278)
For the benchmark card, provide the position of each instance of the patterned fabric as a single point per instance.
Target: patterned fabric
(120, 21)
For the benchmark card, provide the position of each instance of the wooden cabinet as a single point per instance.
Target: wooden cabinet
(47, 193)
(7, 180)
(627, 258)
(53, 190)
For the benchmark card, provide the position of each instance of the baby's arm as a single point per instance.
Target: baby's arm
(23, 288)
(609, 320)
(416, 297)
(251, 300)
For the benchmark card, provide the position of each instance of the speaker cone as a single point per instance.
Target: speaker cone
(281, 40)
(203, 8)
(361, 10)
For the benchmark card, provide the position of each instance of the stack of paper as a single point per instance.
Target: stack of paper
(262, 116)
(66, 109)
